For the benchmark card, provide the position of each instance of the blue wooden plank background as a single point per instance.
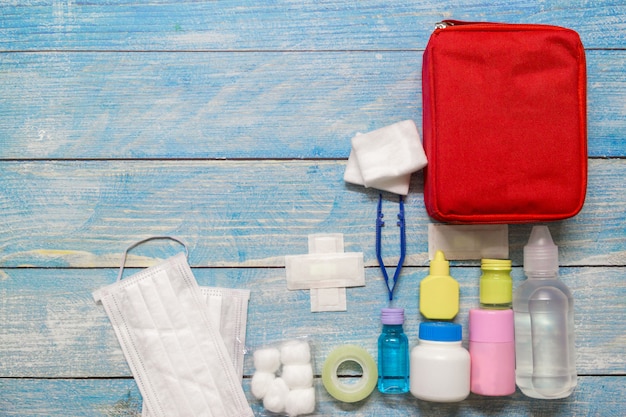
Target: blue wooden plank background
(164, 105)
(227, 124)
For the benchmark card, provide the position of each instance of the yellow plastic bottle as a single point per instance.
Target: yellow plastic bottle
(439, 292)
(496, 285)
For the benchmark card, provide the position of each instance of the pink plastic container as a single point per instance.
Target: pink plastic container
(492, 352)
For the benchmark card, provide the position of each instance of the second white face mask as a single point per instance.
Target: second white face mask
(176, 355)
(228, 311)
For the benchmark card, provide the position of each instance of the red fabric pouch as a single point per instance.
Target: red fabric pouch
(504, 125)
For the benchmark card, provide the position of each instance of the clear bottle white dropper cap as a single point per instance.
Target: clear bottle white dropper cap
(541, 255)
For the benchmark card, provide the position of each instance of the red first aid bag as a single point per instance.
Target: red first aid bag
(504, 125)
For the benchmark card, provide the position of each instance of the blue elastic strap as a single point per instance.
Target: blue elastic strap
(380, 224)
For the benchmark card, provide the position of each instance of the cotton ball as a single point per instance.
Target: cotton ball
(295, 352)
(260, 383)
(276, 396)
(267, 359)
(300, 401)
(298, 376)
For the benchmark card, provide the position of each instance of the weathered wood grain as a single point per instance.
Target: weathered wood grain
(227, 124)
(594, 396)
(246, 213)
(236, 105)
(51, 327)
(281, 25)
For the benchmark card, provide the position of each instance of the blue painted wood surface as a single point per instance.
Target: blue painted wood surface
(227, 124)
(184, 105)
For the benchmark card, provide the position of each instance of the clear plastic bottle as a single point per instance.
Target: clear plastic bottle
(544, 323)
(393, 353)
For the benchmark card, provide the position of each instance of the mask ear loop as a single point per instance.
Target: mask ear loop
(134, 245)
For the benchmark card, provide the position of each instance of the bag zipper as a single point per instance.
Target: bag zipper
(443, 24)
(524, 26)
(446, 23)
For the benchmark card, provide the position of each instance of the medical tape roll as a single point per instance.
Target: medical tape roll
(352, 392)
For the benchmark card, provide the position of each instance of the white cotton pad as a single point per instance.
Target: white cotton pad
(397, 185)
(390, 152)
(300, 401)
(295, 352)
(276, 396)
(298, 376)
(267, 359)
(260, 383)
(352, 174)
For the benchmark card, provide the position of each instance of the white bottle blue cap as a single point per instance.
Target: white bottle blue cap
(439, 331)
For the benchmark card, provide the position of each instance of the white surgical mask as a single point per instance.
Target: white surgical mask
(177, 356)
(228, 311)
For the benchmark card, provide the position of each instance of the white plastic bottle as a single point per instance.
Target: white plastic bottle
(440, 366)
(544, 323)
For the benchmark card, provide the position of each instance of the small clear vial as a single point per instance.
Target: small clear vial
(393, 353)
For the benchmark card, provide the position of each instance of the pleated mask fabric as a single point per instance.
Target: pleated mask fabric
(177, 356)
(228, 311)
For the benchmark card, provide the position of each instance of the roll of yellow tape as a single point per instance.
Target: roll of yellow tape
(349, 393)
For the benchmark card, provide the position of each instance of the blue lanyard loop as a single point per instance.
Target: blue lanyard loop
(379, 225)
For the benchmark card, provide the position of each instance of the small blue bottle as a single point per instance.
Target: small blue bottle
(393, 353)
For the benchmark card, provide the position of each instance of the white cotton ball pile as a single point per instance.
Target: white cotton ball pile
(260, 383)
(292, 392)
(295, 352)
(298, 376)
(267, 359)
(276, 397)
(300, 401)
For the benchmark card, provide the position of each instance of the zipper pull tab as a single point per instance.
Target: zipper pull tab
(443, 24)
